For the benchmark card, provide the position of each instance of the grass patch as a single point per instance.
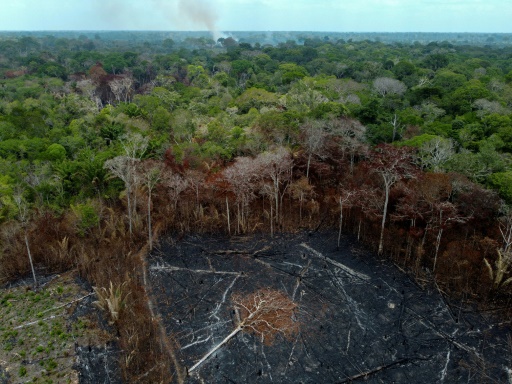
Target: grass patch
(38, 334)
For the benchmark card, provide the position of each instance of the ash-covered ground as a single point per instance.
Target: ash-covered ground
(359, 319)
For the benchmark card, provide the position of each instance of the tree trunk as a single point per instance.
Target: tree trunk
(150, 230)
(227, 210)
(238, 218)
(226, 339)
(30, 260)
(384, 213)
(271, 221)
(300, 205)
(307, 168)
(438, 243)
(341, 221)
(128, 201)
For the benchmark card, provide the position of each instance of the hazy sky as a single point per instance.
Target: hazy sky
(266, 15)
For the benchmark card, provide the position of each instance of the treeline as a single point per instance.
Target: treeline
(405, 146)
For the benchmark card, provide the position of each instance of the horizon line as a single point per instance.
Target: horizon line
(245, 31)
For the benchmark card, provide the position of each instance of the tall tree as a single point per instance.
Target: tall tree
(392, 165)
(23, 216)
(276, 166)
(242, 177)
(314, 139)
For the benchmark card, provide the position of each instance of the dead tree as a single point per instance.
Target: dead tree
(314, 140)
(301, 190)
(351, 136)
(392, 164)
(23, 216)
(346, 198)
(121, 88)
(242, 177)
(276, 166)
(150, 173)
(123, 167)
(266, 313)
(397, 126)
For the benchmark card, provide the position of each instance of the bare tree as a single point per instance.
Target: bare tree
(397, 127)
(276, 166)
(123, 167)
(242, 177)
(121, 88)
(88, 89)
(384, 86)
(345, 199)
(392, 164)
(23, 216)
(301, 190)
(434, 153)
(267, 313)
(150, 172)
(134, 146)
(314, 140)
(445, 215)
(175, 185)
(351, 137)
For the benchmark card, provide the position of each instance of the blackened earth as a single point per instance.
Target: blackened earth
(361, 320)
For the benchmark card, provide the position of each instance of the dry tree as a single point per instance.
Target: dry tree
(267, 313)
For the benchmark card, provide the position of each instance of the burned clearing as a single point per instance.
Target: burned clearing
(346, 317)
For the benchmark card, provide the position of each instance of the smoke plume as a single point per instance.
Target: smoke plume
(200, 13)
(179, 14)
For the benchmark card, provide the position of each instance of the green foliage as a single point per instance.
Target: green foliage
(292, 72)
(418, 141)
(54, 152)
(329, 109)
(502, 182)
(255, 98)
(86, 217)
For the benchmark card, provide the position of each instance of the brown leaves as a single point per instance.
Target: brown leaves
(268, 313)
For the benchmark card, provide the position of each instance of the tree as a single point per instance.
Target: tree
(301, 190)
(397, 126)
(444, 214)
(384, 86)
(242, 177)
(121, 87)
(123, 167)
(266, 312)
(314, 138)
(23, 216)
(292, 72)
(150, 172)
(346, 198)
(436, 61)
(351, 137)
(89, 89)
(276, 166)
(392, 164)
(436, 152)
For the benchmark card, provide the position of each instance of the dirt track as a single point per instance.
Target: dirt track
(360, 319)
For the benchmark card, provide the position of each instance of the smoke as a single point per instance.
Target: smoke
(190, 14)
(200, 13)
(178, 14)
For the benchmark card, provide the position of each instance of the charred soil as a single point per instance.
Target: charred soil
(354, 318)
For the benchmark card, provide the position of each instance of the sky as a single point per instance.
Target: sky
(260, 15)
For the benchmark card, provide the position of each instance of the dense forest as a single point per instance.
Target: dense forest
(109, 140)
